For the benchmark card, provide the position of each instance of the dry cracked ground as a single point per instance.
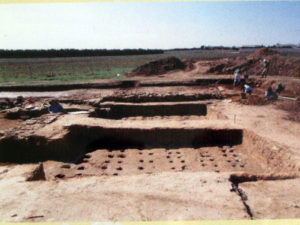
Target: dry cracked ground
(155, 151)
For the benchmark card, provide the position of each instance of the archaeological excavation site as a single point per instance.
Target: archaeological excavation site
(183, 144)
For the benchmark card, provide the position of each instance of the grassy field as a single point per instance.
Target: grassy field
(80, 69)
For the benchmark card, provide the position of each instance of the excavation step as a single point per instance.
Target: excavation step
(128, 83)
(120, 110)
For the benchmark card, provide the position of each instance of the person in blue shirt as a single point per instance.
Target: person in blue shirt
(55, 107)
(248, 89)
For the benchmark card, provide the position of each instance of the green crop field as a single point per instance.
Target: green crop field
(79, 69)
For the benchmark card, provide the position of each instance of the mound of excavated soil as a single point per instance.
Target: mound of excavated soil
(253, 64)
(254, 100)
(159, 67)
(263, 52)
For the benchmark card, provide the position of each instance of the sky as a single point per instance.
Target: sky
(163, 25)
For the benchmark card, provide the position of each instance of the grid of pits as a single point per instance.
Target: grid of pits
(134, 161)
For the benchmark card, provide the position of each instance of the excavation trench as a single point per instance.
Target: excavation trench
(82, 139)
(161, 98)
(118, 110)
(95, 150)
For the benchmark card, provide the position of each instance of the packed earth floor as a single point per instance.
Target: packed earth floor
(178, 147)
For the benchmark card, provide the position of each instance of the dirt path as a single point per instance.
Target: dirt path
(266, 121)
(55, 94)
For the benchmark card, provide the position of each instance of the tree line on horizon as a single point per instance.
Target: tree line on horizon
(234, 48)
(51, 53)
(206, 48)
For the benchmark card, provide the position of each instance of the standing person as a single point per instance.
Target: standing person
(266, 68)
(237, 78)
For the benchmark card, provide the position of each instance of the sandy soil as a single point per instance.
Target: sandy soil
(266, 121)
(157, 183)
(273, 199)
(164, 196)
(7, 124)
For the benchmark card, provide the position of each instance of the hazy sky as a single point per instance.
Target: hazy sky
(147, 24)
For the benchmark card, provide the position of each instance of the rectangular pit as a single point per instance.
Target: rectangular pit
(163, 98)
(81, 139)
(101, 151)
(254, 156)
(121, 110)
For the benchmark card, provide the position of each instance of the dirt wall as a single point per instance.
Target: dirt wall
(275, 157)
(81, 139)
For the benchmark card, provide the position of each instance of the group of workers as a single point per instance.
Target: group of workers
(269, 94)
(55, 107)
(237, 82)
(19, 100)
